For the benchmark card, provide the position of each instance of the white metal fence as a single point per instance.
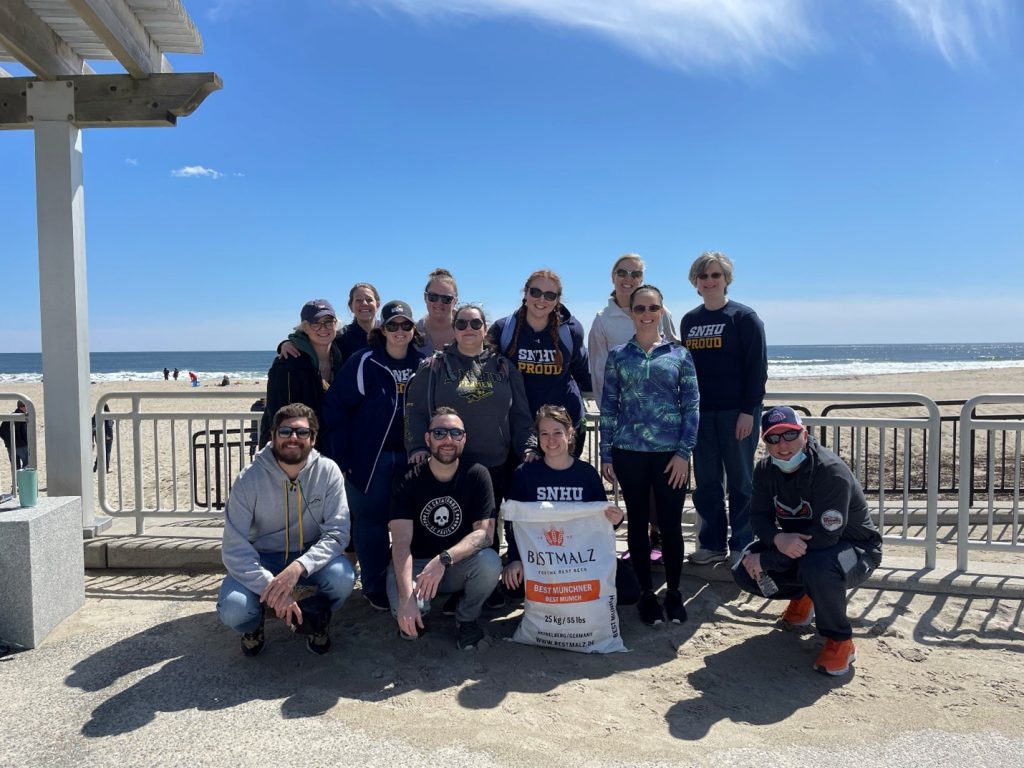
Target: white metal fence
(176, 454)
(999, 527)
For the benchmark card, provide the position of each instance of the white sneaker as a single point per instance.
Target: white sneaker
(708, 556)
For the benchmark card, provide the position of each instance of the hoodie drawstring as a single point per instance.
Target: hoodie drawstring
(295, 485)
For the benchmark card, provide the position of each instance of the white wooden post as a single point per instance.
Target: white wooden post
(63, 292)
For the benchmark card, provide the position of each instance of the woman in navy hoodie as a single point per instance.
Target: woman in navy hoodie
(364, 411)
(545, 342)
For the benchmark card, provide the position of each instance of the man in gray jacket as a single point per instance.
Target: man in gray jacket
(286, 526)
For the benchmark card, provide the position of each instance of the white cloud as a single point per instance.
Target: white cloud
(954, 27)
(195, 171)
(132, 161)
(681, 33)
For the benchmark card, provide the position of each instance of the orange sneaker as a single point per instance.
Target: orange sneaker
(799, 612)
(835, 658)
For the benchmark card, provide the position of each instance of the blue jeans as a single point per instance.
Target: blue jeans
(721, 461)
(475, 577)
(239, 607)
(370, 522)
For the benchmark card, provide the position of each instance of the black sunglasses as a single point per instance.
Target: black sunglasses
(635, 273)
(639, 309)
(300, 432)
(476, 324)
(440, 433)
(548, 295)
(789, 436)
(391, 326)
(706, 275)
(444, 298)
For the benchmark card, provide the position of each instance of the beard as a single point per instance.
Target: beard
(292, 457)
(446, 457)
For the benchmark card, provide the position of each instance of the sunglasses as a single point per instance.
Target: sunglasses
(324, 325)
(706, 275)
(789, 436)
(444, 298)
(536, 293)
(440, 433)
(635, 273)
(476, 324)
(639, 309)
(300, 432)
(393, 326)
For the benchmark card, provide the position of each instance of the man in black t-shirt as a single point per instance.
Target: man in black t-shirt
(442, 525)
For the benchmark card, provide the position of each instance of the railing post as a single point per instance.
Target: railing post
(140, 517)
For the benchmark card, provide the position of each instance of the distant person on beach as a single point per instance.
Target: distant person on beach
(225, 382)
(815, 539)
(442, 526)
(108, 439)
(259, 406)
(167, 374)
(649, 414)
(726, 340)
(16, 439)
(194, 378)
(365, 412)
(297, 569)
(363, 301)
(305, 379)
(441, 295)
(175, 374)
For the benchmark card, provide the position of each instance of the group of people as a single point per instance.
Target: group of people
(416, 431)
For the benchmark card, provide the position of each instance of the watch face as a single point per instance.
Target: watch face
(446, 559)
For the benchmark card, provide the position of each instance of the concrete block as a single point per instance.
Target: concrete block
(42, 572)
(95, 552)
(164, 552)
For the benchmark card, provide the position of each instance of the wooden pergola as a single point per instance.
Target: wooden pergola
(55, 40)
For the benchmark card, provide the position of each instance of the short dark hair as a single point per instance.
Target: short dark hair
(444, 410)
(296, 411)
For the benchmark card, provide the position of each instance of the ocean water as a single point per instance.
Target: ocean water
(784, 361)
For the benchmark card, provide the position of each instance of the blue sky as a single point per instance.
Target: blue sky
(861, 162)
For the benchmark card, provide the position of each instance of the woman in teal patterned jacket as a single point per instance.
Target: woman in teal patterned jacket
(649, 414)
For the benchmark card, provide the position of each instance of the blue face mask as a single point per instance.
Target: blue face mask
(790, 464)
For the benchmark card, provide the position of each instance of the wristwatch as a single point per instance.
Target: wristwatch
(445, 558)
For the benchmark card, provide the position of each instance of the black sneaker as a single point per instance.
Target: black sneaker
(252, 642)
(674, 608)
(319, 642)
(495, 600)
(467, 635)
(448, 609)
(650, 609)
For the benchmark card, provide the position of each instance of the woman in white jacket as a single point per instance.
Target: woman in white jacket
(613, 325)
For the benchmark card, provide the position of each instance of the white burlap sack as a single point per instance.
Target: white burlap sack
(568, 554)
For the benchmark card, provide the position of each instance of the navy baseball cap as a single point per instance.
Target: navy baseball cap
(317, 308)
(779, 419)
(395, 309)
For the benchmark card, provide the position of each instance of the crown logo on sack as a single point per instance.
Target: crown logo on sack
(554, 537)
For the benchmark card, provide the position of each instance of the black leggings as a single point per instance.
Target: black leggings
(639, 473)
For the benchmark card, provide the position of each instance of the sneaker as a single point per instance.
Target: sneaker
(448, 609)
(467, 635)
(378, 602)
(708, 556)
(835, 658)
(495, 600)
(319, 642)
(799, 613)
(650, 609)
(674, 608)
(252, 642)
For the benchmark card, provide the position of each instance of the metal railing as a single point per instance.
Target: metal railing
(163, 461)
(9, 422)
(1008, 520)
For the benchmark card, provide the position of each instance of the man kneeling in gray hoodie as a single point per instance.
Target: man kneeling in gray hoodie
(286, 526)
